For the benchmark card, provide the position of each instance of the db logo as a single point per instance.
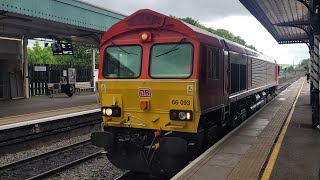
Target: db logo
(144, 92)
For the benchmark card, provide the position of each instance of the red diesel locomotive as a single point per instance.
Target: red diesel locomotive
(166, 85)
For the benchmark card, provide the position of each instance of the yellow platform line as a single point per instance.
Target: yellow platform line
(54, 110)
(274, 155)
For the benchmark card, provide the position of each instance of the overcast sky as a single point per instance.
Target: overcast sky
(227, 14)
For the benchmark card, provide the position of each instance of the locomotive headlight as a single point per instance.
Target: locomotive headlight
(111, 111)
(188, 115)
(144, 36)
(108, 111)
(182, 115)
(103, 110)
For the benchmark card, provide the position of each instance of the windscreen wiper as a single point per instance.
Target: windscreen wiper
(172, 49)
(123, 49)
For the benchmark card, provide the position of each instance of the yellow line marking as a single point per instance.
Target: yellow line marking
(43, 112)
(272, 160)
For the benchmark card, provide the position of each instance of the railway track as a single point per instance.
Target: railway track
(50, 163)
(34, 135)
(284, 85)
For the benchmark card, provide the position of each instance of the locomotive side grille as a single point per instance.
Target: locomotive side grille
(263, 73)
(259, 73)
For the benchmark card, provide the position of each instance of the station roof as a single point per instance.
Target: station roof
(71, 20)
(288, 21)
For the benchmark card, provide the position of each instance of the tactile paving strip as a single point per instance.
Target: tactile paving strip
(252, 162)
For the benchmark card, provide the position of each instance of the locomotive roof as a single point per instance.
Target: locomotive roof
(232, 46)
(146, 19)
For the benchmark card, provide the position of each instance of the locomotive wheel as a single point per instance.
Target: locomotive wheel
(269, 98)
(232, 123)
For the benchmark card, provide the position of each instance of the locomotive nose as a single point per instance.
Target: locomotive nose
(102, 139)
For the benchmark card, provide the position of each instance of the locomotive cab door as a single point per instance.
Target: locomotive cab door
(211, 77)
(215, 74)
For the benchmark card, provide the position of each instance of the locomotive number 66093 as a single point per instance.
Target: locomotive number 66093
(181, 102)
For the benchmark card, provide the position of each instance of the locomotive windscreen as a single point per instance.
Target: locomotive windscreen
(171, 60)
(122, 61)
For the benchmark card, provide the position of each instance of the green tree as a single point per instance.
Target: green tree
(303, 64)
(39, 55)
(43, 55)
(290, 69)
(220, 32)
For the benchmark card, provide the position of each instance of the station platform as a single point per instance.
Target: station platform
(277, 142)
(40, 107)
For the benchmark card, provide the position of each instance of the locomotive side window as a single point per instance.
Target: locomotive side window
(243, 77)
(235, 83)
(122, 62)
(171, 60)
(238, 72)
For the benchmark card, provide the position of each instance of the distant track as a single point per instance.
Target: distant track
(285, 84)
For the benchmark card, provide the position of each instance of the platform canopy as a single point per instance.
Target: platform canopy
(70, 20)
(288, 21)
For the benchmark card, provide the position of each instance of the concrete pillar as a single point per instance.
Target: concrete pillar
(315, 81)
(93, 68)
(25, 68)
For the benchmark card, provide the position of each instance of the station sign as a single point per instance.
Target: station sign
(62, 48)
(40, 68)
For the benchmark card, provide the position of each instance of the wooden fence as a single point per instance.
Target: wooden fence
(41, 74)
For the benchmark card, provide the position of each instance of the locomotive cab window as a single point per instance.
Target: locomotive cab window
(171, 60)
(122, 61)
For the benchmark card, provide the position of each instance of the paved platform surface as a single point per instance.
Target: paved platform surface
(299, 156)
(243, 153)
(13, 111)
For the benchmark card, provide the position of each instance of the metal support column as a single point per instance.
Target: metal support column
(315, 91)
(25, 68)
(93, 68)
(316, 61)
(312, 74)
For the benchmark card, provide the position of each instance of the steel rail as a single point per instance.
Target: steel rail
(16, 140)
(66, 166)
(44, 155)
(44, 158)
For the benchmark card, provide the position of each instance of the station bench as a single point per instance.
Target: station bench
(83, 87)
(53, 88)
